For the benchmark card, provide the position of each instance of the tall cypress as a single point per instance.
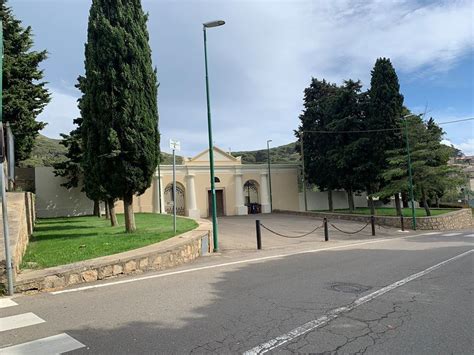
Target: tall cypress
(120, 114)
(24, 93)
(384, 111)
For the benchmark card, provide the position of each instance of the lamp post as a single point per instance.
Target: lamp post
(6, 235)
(410, 175)
(269, 174)
(209, 128)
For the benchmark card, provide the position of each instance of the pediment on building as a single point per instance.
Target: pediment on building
(220, 157)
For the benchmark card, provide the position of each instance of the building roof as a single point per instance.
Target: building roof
(220, 158)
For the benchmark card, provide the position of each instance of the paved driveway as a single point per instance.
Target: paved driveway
(238, 232)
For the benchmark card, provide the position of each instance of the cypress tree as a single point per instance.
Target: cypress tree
(120, 114)
(384, 111)
(24, 94)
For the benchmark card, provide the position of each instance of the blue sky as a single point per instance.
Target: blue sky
(263, 58)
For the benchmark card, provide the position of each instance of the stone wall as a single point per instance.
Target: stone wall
(21, 219)
(460, 219)
(166, 254)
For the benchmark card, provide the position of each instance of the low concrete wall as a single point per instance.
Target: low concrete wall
(21, 219)
(454, 220)
(166, 254)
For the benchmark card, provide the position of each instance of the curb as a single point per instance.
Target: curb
(169, 253)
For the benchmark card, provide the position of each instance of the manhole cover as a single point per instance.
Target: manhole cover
(348, 287)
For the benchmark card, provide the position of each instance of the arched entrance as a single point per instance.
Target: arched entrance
(180, 199)
(251, 196)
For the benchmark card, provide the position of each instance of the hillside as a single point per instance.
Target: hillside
(282, 154)
(48, 151)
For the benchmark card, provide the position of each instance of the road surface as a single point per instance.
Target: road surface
(401, 295)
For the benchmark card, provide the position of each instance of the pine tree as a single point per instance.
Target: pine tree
(24, 94)
(317, 114)
(432, 176)
(120, 114)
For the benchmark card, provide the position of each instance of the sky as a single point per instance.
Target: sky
(261, 60)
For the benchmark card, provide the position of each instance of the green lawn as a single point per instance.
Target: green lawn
(59, 241)
(386, 211)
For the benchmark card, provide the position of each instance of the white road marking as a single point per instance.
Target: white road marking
(222, 265)
(432, 233)
(451, 234)
(56, 344)
(19, 321)
(307, 327)
(7, 302)
(469, 236)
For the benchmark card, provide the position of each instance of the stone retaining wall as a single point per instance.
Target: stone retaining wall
(166, 254)
(21, 219)
(460, 219)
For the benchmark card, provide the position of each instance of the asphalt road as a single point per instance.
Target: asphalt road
(404, 295)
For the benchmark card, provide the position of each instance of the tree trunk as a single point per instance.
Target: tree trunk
(398, 205)
(130, 226)
(107, 211)
(405, 200)
(330, 201)
(425, 203)
(112, 214)
(437, 201)
(96, 208)
(350, 200)
(371, 204)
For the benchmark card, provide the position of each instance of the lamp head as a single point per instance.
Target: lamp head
(213, 23)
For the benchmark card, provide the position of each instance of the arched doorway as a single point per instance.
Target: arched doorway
(180, 199)
(251, 196)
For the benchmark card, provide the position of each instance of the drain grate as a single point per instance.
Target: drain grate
(348, 287)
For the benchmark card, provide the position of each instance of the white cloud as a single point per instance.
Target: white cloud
(59, 114)
(467, 146)
(262, 59)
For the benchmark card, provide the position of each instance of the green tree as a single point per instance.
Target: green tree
(347, 150)
(432, 176)
(120, 136)
(24, 92)
(316, 116)
(384, 111)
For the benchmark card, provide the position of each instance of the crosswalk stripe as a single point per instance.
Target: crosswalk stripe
(451, 234)
(19, 321)
(7, 302)
(56, 344)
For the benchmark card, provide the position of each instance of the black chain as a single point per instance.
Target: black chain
(289, 236)
(340, 230)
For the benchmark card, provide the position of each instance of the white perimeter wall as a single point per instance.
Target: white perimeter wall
(319, 200)
(53, 200)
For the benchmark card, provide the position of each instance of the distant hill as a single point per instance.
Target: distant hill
(282, 154)
(48, 151)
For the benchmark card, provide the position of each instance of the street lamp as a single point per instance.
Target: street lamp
(410, 175)
(269, 174)
(209, 128)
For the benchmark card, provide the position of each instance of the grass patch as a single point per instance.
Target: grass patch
(387, 211)
(59, 241)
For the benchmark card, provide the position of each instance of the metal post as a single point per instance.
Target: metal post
(269, 175)
(402, 223)
(326, 230)
(10, 144)
(159, 186)
(372, 223)
(211, 153)
(303, 172)
(259, 234)
(6, 235)
(174, 191)
(410, 176)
